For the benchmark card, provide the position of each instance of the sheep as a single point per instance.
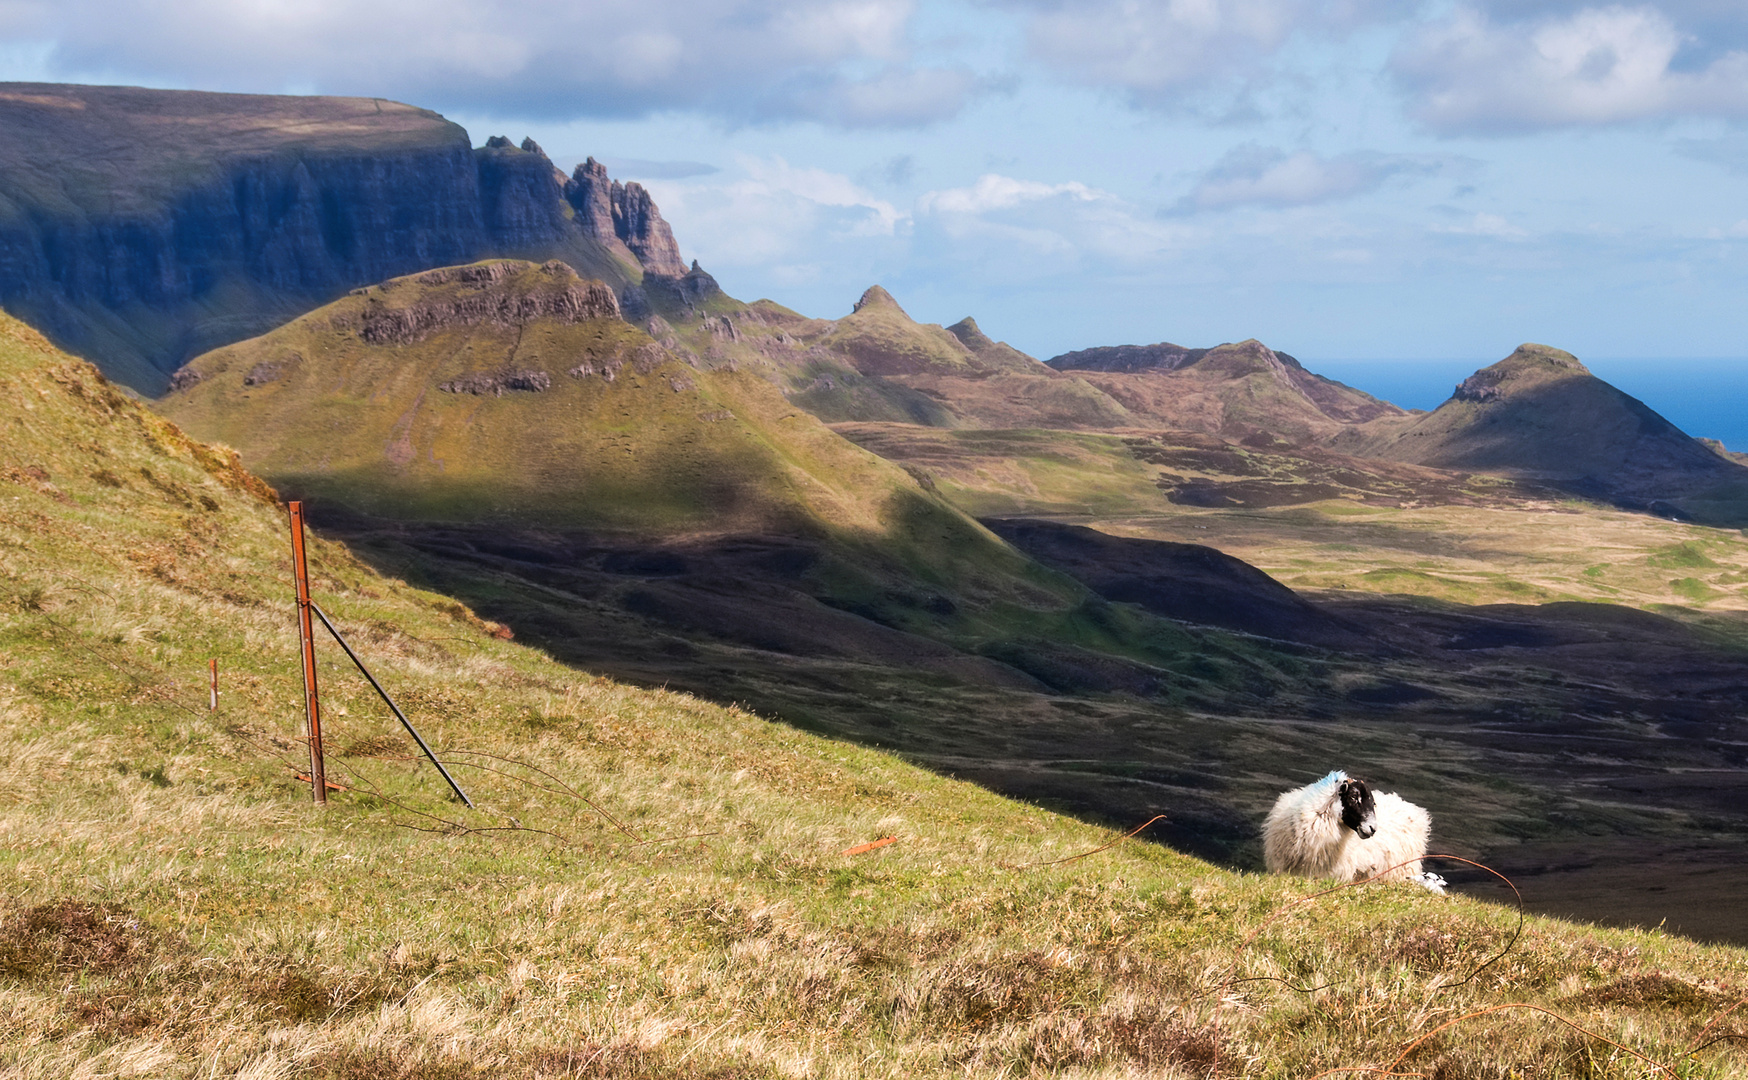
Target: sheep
(1336, 828)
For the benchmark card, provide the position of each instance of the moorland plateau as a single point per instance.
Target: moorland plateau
(1128, 581)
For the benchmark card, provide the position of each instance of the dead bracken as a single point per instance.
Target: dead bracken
(71, 935)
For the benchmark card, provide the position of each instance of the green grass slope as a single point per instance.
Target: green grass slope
(883, 340)
(598, 429)
(1319, 521)
(619, 434)
(651, 886)
(977, 381)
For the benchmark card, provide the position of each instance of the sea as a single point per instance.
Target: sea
(1706, 397)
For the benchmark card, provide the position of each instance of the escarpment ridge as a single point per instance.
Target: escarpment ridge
(142, 227)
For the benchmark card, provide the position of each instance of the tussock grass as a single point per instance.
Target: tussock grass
(652, 885)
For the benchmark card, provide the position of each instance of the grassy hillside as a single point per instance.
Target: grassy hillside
(1320, 521)
(1242, 391)
(651, 886)
(689, 528)
(614, 432)
(540, 425)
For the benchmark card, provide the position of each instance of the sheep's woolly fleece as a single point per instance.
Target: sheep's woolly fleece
(1304, 835)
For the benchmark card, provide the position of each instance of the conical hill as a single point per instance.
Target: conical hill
(1541, 413)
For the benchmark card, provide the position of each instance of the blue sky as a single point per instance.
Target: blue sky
(1346, 179)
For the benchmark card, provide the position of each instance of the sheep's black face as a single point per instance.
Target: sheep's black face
(1359, 811)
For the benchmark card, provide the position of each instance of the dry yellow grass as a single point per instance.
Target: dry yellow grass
(1524, 554)
(1519, 549)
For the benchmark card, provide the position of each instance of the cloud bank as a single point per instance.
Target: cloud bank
(1265, 176)
(1482, 67)
(842, 62)
(1169, 54)
(1592, 66)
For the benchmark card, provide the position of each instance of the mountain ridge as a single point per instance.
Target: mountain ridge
(142, 227)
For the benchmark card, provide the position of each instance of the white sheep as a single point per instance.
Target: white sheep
(1336, 828)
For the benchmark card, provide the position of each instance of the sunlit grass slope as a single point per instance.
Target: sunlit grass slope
(650, 886)
(1499, 544)
(622, 438)
(616, 433)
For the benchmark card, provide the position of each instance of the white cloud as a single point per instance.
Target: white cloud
(995, 192)
(1162, 53)
(845, 62)
(771, 214)
(1596, 65)
(1713, 23)
(1009, 222)
(1261, 175)
(1482, 224)
(823, 188)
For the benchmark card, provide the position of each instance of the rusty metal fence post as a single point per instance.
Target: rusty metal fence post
(212, 671)
(307, 639)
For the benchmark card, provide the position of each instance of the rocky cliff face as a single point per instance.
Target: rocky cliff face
(590, 193)
(142, 227)
(623, 214)
(640, 225)
(520, 195)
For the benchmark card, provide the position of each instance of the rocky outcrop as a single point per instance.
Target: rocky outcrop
(141, 227)
(496, 383)
(624, 213)
(639, 224)
(679, 296)
(590, 193)
(1128, 358)
(479, 296)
